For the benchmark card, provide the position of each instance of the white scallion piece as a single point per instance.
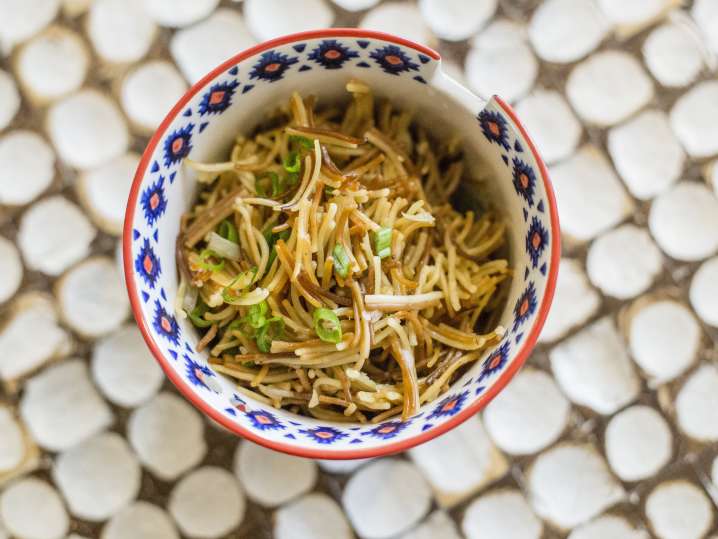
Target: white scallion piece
(400, 18)
(684, 222)
(694, 118)
(10, 270)
(120, 30)
(608, 87)
(704, 291)
(168, 436)
(558, 475)
(607, 526)
(679, 510)
(590, 197)
(528, 415)
(124, 369)
(271, 478)
(646, 153)
(624, 262)
(207, 503)
(379, 509)
(27, 167)
(593, 368)
(314, 516)
(104, 191)
(92, 297)
(52, 65)
(140, 520)
(200, 47)
(501, 513)
(574, 302)
(638, 443)
(21, 20)
(98, 477)
(61, 407)
(9, 96)
(564, 31)
(697, 405)
(32, 509)
(31, 314)
(456, 20)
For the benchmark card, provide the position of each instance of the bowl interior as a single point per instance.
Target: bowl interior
(233, 99)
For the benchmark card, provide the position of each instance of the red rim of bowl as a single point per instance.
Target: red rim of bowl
(300, 451)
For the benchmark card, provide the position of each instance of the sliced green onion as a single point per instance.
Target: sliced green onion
(292, 178)
(228, 231)
(243, 326)
(341, 260)
(292, 163)
(382, 242)
(304, 142)
(264, 184)
(272, 329)
(277, 184)
(204, 264)
(257, 314)
(196, 316)
(327, 326)
(272, 238)
(240, 282)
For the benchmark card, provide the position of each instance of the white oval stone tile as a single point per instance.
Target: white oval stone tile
(551, 123)
(574, 301)
(120, 30)
(564, 31)
(98, 477)
(593, 369)
(87, 129)
(53, 235)
(10, 270)
(201, 47)
(705, 13)
(21, 351)
(704, 292)
(502, 513)
(710, 173)
(22, 19)
(268, 19)
(52, 64)
(460, 462)
(61, 408)
(386, 498)
(314, 516)
(168, 436)
(673, 54)
(27, 167)
(437, 524)
(32, 509)
(590, 197)
(207, 503)
(92, 297)
(456, 20)
(624, 262)
(399, 18)
(355, 5)
(694, 118)
(341, 466)
(679, 510)
(104, 191)
(646, 154)
(664, 338)
(124, 369)
(271, 478)
(636, 13)
(607, 526)
(697, 405)
(638, 443)
(528, 415)
(149, 92)
(179, 13)
(501, 62)
(608, 87)
(714, 472)
(684, 222)
(9, 97)
(140, 520)
(12, 449)
(571, 484)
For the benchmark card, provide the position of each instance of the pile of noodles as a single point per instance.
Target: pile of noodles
(327, 269)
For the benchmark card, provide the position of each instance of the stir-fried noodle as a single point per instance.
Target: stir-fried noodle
(327, 270)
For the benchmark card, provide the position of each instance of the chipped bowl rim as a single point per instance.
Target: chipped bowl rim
(383, 450)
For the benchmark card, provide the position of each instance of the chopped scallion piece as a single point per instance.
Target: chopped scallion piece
(256, 316)
(327, 326)
(292, 163)
(272, 329)
(196, 316)
(382, 242)
(304, 142)
(228, 231)
(209, 266)
(341, 260)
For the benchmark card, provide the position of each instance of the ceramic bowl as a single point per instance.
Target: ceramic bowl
(235, 95)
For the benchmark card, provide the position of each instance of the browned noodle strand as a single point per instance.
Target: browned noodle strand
(327, 269)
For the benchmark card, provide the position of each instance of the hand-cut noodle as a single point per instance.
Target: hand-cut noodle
(327, 269)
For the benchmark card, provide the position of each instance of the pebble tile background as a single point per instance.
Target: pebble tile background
(611, 430)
